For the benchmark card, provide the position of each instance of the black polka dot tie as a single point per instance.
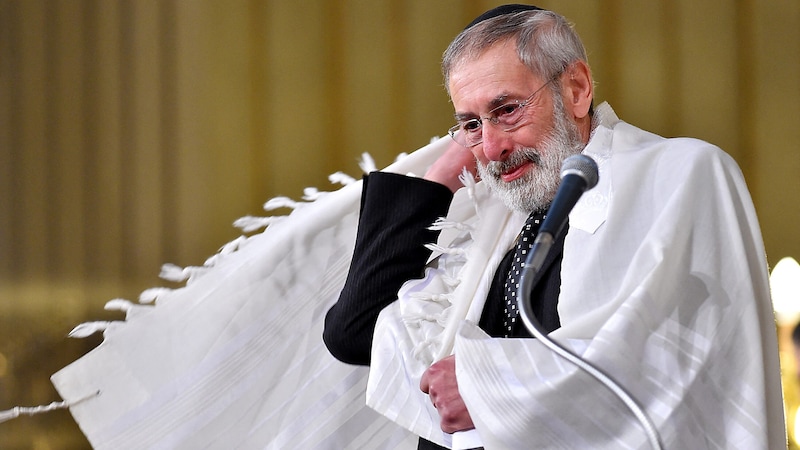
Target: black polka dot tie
(524, 243)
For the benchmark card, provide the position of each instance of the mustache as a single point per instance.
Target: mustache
(497, 168)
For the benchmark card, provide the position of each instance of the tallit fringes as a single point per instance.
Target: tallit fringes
(442, 223)
(468, 180)
(447, 250)
(177, 274)
(128, 307)
(424, 351)
(280, 202)
(367, 163)
(226, 250)
(417, 319)
(17, 411)
(174, 273)
(119, 304)
(313, 194)
(423, 319)
(451, 282)
(341, 178)
(441, 299)
(87, 329)
(151, 295)
(249, 224)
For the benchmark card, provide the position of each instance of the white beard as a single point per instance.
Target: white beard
(535, 190)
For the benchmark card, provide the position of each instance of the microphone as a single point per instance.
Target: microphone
(578, 175)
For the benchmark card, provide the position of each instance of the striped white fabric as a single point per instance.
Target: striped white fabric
(664, 287)
(235, 359)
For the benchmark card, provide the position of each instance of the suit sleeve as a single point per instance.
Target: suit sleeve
(396, 212)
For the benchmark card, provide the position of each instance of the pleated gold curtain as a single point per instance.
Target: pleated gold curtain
(133, 132)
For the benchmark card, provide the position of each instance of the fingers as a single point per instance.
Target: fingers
(454, 416)
(447, 169)
(440, 383)
(424, 382)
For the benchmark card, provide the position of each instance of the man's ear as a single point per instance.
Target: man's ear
(578, 89)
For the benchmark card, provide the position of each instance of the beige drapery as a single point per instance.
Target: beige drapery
(133, 132)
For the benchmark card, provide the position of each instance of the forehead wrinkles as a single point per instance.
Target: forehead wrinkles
(492, 80)
(496, 53)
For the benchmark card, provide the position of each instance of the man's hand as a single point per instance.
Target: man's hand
(439, 382)
(449, 166)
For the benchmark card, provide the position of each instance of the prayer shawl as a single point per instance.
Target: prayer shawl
(235, 359)
(664, 287)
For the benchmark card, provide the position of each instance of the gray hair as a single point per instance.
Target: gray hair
(546, 42)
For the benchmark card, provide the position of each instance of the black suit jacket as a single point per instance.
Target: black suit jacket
(396, 212)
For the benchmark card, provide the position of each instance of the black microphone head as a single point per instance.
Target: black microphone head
(583, 166)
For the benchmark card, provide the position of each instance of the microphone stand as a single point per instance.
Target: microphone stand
(533, 263)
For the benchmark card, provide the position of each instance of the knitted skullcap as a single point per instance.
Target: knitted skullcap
(502, 10)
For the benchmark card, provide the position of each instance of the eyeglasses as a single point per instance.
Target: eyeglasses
(469, 133)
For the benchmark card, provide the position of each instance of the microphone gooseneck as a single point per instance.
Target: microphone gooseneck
(579, 173)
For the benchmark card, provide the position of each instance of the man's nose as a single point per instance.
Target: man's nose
(496, 143)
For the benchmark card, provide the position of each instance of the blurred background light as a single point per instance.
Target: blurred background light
(785, 285)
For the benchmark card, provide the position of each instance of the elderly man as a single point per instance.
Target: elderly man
(660, 280)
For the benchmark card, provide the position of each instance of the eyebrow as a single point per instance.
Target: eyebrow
(496, 102)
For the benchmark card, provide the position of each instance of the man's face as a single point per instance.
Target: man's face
(521, 166)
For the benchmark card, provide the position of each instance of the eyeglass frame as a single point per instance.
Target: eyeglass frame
(493, 117)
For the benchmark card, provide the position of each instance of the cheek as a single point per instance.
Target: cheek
(477, 151)
(532, 136)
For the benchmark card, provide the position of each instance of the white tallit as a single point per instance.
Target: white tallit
(235, 359)
(664, 287)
